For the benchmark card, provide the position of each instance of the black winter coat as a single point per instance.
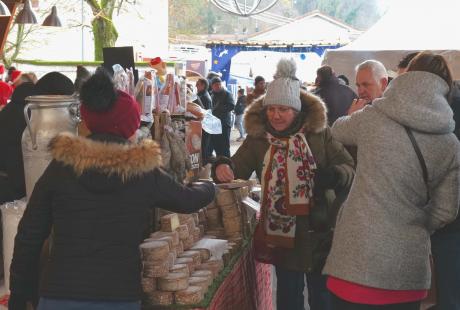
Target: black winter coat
(338, 98)
(205, 98)
(12, 125)
(96, 195)
(223, 105)
(240, 105)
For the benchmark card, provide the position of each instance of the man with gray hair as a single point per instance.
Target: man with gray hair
(371, 82)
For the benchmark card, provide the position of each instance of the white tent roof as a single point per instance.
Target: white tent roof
(409, 25)
(414, 25)
(312, 27)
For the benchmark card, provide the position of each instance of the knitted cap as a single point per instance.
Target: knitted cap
(54, 83)
(122, 119)
(285, 88)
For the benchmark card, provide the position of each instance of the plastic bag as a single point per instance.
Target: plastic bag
(11, 215)
(120, 78)
(211, 124)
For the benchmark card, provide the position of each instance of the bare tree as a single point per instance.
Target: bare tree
(104, 30)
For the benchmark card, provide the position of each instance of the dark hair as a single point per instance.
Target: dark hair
(241, 91)
(325, 73)
(404, 62)
(344, 79)
(98, 92)
(11, 69)
(258, 79)
(216, 80)
(204, 82)
(212, 75)
(432, 63)
(82, 75)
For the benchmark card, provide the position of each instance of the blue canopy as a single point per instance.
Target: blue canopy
(222, 53)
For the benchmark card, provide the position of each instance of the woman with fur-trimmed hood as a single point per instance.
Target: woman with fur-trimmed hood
(302, 170)
(96, 194)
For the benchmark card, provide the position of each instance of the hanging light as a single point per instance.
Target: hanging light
(26, 16)
(4, 11)
(243, 9)
(52, 20)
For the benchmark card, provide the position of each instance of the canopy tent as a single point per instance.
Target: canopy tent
(408, 26)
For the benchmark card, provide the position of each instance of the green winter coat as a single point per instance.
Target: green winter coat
(311, 248)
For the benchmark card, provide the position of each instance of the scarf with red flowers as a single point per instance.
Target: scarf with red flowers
(287, 187)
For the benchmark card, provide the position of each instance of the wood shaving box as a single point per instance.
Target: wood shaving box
(154, 250)
(160, 298)
(169, 222)
(174, 281)
(191, 295)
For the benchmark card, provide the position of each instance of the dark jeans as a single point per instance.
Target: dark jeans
(221, 143)
(446, 255)
(290, 286)
(340, 304)
(69, 304)
(206, 148)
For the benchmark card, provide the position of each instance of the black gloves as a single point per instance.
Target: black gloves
(326, 178)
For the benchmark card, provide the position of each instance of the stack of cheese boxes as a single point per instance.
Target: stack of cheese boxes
(227, 217)
(172, 272)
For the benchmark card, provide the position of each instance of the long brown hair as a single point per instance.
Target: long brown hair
(436, 64)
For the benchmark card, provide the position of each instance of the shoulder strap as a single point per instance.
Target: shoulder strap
(420, 159)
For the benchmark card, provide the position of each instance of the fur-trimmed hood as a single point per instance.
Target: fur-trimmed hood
(115, 159)
(315, 119)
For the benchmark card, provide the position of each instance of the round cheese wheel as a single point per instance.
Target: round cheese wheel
(179, 248)
(171, 259)
(172, 234)
(191, 295)
(196, 218)
(204, 274)
(189, 242)
(168, 239)
(232, 224)
(183, 231)
(195, 255)
(154, 250)
(190, 222)
(160, 298)
(230, 211)
(180, 268)
(174, 281)
(187, 261)
(213, 265)
(148, 284)
(155, 269)
(169, 222)
(196, 234)
(225, 197)
(202, 282)
(205, 253)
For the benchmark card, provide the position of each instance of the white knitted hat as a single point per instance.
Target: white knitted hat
(285, 88)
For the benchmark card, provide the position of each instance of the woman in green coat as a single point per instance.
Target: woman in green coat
(305, 176)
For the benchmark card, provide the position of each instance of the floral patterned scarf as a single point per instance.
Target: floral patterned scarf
(287, 187)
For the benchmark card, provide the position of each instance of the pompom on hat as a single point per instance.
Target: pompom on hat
(284, 90)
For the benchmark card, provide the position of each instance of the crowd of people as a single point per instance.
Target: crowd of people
(359, 191)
